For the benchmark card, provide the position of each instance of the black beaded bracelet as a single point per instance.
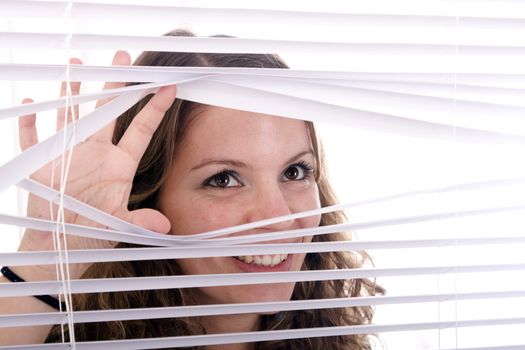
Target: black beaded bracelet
(48, 299)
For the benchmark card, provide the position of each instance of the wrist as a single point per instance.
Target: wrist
(52, 301)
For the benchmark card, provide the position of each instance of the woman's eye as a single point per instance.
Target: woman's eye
(297, 172)
(223, 179)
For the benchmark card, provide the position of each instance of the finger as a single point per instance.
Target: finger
(27, 134)
(138, 135)
(64, 117)
(121, 58)
(149, 219)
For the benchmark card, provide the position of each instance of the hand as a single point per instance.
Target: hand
(100, 173)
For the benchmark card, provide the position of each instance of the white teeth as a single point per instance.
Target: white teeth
(264, 260)
(276, 259)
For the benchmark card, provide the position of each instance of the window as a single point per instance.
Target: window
(419, 106)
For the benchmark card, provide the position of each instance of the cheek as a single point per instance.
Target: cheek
(310, 221)
(202, 216)
(199, 266)
(308, 201)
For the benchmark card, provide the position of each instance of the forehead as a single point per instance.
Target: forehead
(216, 131)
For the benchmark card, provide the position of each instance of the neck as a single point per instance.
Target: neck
(231, 324)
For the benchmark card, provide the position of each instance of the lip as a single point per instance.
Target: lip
(257, 231)
(283, 266)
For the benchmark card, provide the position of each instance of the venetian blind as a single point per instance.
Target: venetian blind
(443, 76)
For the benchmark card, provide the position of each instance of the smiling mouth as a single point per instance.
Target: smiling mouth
(263, 260)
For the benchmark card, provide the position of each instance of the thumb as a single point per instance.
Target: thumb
(150, 219)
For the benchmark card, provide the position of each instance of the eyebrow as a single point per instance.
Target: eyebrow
(239, 164)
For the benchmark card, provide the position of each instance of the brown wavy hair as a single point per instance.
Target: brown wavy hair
(151, 176)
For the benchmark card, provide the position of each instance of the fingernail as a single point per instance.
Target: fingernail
(122, 57)
(75, 60)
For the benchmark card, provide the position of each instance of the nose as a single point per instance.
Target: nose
(270, 202)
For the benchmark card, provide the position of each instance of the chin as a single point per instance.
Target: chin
(265, 293)
(246, 294)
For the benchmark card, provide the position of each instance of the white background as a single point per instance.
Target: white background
(363, 165)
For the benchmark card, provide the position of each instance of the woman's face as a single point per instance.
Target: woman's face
(235, 167)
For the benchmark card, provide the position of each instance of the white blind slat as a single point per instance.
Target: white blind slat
(385, 10)
(193, 281)
(470, 43)
(231, 309)
(145, 74)
(133, 254)
(230, 338)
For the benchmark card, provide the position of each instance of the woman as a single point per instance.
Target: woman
(205, 168)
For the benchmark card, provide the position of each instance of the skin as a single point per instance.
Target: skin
(264, 158)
